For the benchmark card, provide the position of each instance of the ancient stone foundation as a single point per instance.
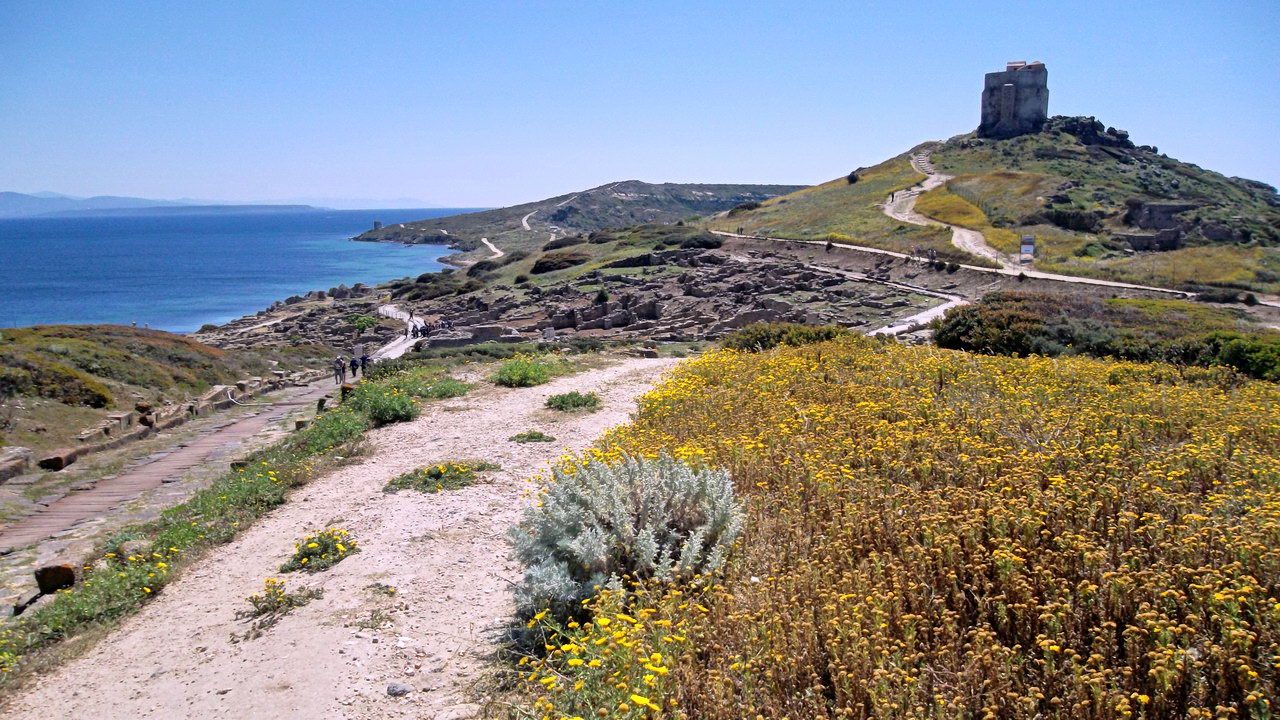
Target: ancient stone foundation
(1016, 101)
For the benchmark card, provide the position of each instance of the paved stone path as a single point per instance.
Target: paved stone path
(78, 506)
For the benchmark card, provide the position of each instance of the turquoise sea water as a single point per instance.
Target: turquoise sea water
(178, 272)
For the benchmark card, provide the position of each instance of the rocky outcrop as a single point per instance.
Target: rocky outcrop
(14, 461)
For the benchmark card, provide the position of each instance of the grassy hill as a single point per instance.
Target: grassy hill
(66, 377)
(846, 211)
(615, 205)
(1098, 205)
(1101, 206)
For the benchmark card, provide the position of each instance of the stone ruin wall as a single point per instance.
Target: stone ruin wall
(1015, 101)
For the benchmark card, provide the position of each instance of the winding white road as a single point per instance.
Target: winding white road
(493, 249)
(901, 206)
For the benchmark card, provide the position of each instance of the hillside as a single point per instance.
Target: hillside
(846, 211)
(1098, 205)
(1101, 206)
(615, 205)
(57, 379)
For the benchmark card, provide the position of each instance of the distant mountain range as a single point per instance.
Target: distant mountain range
(616, 205)
(48, 204)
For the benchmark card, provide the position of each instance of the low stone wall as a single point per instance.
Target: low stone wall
(143, 421)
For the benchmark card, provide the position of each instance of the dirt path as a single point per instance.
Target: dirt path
(901, 206)
(493, 249)
(444, 553)
(402, 343)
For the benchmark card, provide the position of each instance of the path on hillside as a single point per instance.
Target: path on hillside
(402, 343)
(493, 249)
(901, 206)
(444, 553)
(1010, 272)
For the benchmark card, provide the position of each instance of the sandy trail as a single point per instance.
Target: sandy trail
(497, 253)
(901, 206)
(444, 553)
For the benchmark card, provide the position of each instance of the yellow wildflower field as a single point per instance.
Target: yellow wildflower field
(937, 534)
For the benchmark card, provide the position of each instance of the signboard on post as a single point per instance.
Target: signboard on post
(1028, 247)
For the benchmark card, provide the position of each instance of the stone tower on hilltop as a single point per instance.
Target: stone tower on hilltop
(1016, 101)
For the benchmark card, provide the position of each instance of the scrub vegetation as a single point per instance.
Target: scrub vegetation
(931, 533)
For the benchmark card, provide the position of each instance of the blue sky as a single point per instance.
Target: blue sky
(469, 103)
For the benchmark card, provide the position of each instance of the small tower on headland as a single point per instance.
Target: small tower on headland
(1015, 101)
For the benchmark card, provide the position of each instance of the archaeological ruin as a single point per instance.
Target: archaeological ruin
(1015, 101)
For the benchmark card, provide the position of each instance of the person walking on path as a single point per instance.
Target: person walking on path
(339, 371)
(364, 365)
(355, 367)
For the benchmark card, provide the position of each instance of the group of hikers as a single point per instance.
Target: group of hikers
(357, 364)
(420, 331)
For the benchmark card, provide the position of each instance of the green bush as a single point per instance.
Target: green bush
(1172, 331)
(638, 519)
(758, 337)
(564, 242)
(574, 401)
(329, 430)
(450, 475)
(321, 551)
(559, 260)
(523, 371)
(529, 436)
(701, 241)
(382, 403)
(427, 384)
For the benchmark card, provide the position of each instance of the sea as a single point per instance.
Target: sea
(179, 272)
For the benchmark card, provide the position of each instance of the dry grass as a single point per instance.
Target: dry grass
(947, 207)
(936, 534)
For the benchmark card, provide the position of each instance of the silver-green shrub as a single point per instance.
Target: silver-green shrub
(638, 518)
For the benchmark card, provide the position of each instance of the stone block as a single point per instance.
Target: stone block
(52, 578)
(58, 459)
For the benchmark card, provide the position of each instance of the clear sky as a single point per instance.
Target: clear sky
(493, 103)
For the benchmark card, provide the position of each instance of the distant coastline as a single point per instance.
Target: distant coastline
(183, 210)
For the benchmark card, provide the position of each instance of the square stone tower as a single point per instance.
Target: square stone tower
(1016, 101)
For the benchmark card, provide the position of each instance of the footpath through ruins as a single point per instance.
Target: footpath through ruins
(65, 525)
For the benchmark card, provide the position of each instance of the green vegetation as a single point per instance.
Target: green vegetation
(275, 600)
(69, 376)
(766, 336)
(945, 206)
(574, 401)
(362, 323)
(841, 211)
(1172, 331)
(321, 551)
(1082, 191)
(529, 436)
(383, 403)
(449, 475)
(559, 260)
(525, 370)
(118, 583)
